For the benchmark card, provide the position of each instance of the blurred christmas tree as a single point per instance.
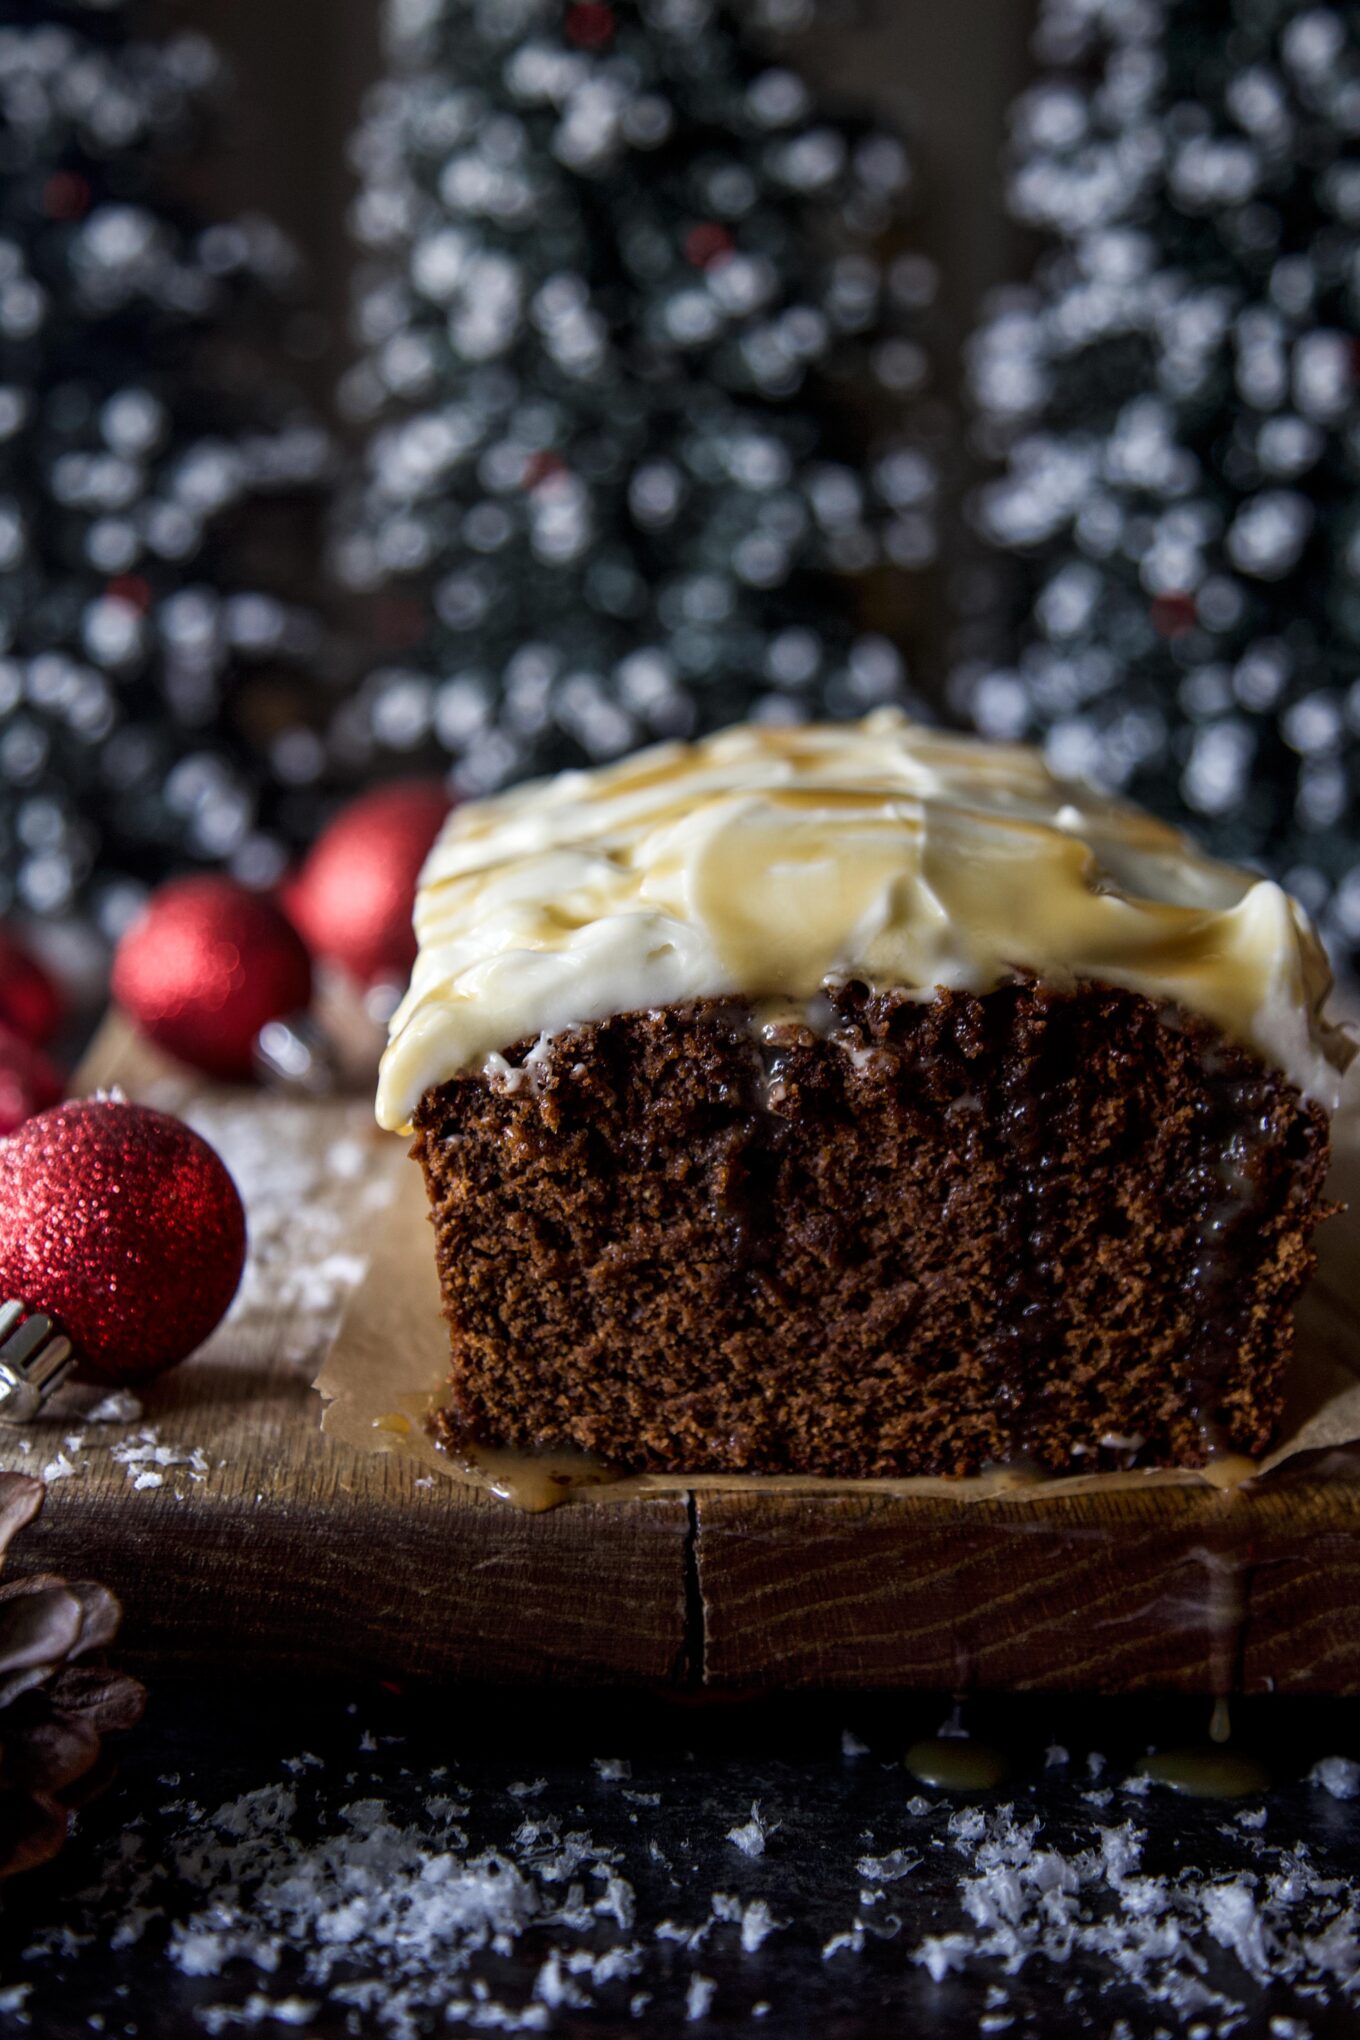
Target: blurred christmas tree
(635, 310)
(150, 682)
(1175, 404)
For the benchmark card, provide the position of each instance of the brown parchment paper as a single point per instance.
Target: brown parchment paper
(390, 1356)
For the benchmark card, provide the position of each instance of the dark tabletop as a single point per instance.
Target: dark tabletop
(279, 1858)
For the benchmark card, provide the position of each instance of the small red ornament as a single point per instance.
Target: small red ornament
(30, 1003)
(708, 245)
(125, 1227)
(66, 196)
(590, 25)
(133, 589)
(29, 1082)
(353, 899)
(1173, 615)
(542, 467)
(205, 966)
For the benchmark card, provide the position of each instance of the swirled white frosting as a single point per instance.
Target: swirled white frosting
(768, 860)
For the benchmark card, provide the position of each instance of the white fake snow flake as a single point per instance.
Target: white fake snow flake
(750, 1836)
(839, 1944)
(1338, 1775)
(699, 1997)
(884, 1869)
(119, 1407)
(146, 1458)
(257, 2010)
(939, 1953)
(757, 1924)
(754, 1918)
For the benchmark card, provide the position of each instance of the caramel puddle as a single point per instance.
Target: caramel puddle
(955, 1763)
(534, 1481)
(527, 1480)
(1206, 1774)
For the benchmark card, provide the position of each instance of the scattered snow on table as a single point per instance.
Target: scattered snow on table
(494, 1907)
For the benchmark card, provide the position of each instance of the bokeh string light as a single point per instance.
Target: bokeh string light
(643, 383)
(1173, 407)
(140, 429)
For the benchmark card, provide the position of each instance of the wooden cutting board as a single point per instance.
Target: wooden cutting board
(237, 1533)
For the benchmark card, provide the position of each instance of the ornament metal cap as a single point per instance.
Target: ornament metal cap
(35, 1358)
(296, 1055)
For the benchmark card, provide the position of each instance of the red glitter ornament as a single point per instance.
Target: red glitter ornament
(29, 1082)
(206, 966)
(124, 1226)
(353, 899)
(30, 1003)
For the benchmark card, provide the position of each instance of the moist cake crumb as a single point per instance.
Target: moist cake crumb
(1063, 1226)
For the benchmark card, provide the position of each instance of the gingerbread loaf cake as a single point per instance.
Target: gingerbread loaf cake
(859, 1100)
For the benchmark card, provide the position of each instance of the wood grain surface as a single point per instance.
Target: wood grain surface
(1178, 1589)
(237, 1534)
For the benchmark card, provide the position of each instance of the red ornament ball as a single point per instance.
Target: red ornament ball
(590, 25)
(353, 899)
(205, 966)
(30, 1003)
(29, 1082)
(124, 1226)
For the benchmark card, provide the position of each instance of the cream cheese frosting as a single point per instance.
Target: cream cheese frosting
(769, 860)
